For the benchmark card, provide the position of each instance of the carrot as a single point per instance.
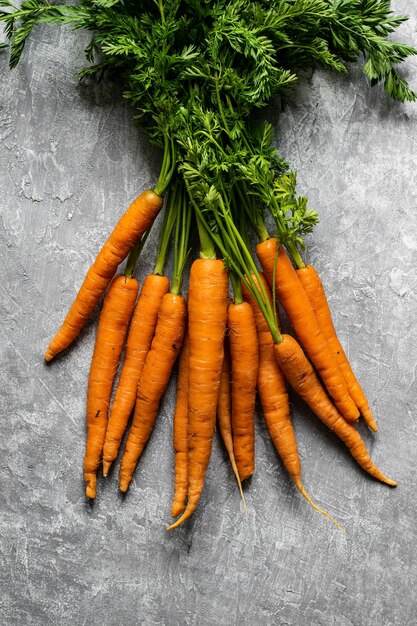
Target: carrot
(297, 306)
(224, 413)
(301, 376)
(181, 433)
(244, 359)
(207, 311)
(131, 226)
(313, 287)
(114, 320)
(166, 345)
(138, 343)
(274, 398)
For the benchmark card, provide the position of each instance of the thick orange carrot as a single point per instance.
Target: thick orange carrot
(131, 226)
(181, 432)
(112, 327)
(141, 332)
(274, 398)
(297, 306)
(301, 376)
(313, 286)
(207, 313)
(224, 414)
(244, 359)
(166, 345)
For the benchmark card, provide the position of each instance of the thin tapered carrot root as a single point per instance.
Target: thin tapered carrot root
(314, 289)
(166, 345)
(302, 490)
(224, 414)
(301, 376)
(298, 308)
(181, 433)
(207, 313)
(243, 343)
(112, 327)
(274, 398)
(141, 332)
(129, 229)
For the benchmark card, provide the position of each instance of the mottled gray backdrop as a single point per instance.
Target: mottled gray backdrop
(70, 161)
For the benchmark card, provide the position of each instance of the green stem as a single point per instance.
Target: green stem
(220, 105)
(237, 288)
(241, 262)
(168, 165)
(161, 10)
(166, 231)
(282, 236)
(134, 255)
(182, 235)
(253, 213)
(207, 249)
(294, 253)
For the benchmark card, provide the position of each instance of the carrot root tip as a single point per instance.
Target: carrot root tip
(48, 356)
(177, 509)
(304, 493)
(372, 425)
(90, 491)
(106, 467)
(124, 485)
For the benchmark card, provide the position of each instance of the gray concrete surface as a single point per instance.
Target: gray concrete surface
(70, 161)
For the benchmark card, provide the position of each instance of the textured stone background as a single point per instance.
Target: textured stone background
(70, 161)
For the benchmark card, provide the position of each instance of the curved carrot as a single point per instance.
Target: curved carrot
(274, 399)
(166, 345)
(224, 413)
(207, 313)
(131, 226)
(297, 306)
(112, 327)
(313, 286)
(303, 380)
(243, 342)
(141, 332)
(181, 432)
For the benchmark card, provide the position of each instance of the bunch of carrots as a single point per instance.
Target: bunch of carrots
(223, 180)
(226, 353)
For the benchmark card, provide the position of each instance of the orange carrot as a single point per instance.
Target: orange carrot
(274, 398)
(224, 413)
(166, 345)
(112, 327)
(181, 432)
(297, 306)
(244, 358)
(138, 343)
(129, 229)
(207, 311)
(301, 376)
(313, 286)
